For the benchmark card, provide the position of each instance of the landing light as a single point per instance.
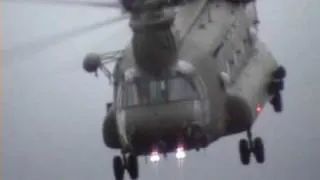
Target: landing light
(154, 157)
(180, 154)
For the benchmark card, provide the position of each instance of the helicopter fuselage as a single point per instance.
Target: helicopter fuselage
(224, 72)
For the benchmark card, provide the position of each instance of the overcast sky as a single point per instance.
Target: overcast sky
(53, 110)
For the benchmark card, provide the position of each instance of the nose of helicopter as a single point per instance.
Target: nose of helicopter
(149, 124)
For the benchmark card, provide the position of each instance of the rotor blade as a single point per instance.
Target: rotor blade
(35, 46)
(77, 3)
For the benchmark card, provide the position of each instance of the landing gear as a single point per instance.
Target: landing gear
(244, 151)
(130, 163)
(258, 150)
(246, 147)
(118, 168)
(133, 166)
(275, 87)
(276, 102)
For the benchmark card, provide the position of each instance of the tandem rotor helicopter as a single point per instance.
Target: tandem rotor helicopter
(194, 71)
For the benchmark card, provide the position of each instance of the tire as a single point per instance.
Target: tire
(279, 85)
(258, 150)
(244, 151)
(279, 73)
(277, 102)
(133, 167)
(275, 86)
(118, 168)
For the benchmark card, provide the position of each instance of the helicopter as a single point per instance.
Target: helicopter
(187, 78)
(194, 71)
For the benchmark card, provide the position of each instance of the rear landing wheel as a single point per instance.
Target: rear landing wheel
(244, 151)
(258, 150)
(279, 73)
(118, 168)
(246, 147)
(276, 102)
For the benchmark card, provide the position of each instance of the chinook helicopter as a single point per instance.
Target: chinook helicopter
(189, 76)
(194, 71)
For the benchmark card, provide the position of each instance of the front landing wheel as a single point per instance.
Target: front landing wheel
(133, 167)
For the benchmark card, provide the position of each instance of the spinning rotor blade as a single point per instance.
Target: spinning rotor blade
(77, 3)
(34, 46)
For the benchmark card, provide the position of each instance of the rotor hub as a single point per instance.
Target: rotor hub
(154, 45)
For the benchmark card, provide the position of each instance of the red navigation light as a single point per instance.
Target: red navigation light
(258, 108)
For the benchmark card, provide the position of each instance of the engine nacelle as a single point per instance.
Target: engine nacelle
(248, 95)
(92, 62)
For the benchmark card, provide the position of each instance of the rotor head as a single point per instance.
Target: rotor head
(92, 62)
(154, 44)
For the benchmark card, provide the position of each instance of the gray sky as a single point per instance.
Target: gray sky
(53, 110)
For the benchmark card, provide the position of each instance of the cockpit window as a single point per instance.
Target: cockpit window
(179, 89)
(130, 97)
(157, 91)
(142, 92)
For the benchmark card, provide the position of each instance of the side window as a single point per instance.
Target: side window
(131, 94)
(181, 88)
(157, 91)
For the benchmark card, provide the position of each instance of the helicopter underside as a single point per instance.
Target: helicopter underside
(163, 145)
(147, 133)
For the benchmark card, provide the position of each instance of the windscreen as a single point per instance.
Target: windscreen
(142, 92)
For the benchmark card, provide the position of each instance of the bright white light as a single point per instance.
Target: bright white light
(180, 154)
(154, 157)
